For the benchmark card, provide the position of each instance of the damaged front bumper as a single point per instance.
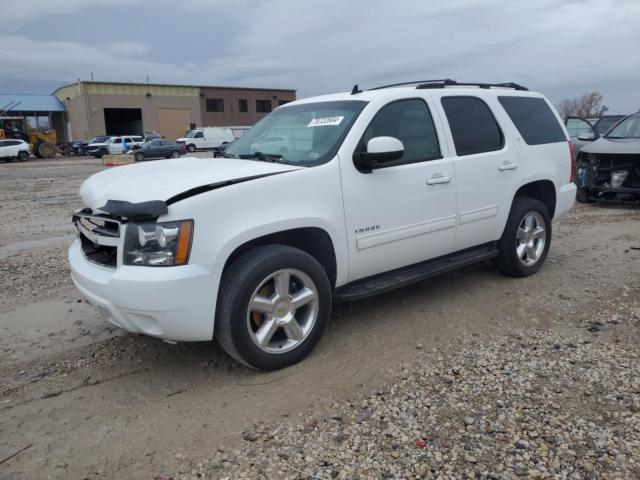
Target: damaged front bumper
(609, 177)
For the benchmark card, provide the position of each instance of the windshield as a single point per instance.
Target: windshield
(192, 133)
(628, 128)
(605, 123)
(306, 134)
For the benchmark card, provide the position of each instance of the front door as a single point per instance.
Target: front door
(405, 212)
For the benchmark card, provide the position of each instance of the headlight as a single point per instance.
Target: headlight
(158, 244)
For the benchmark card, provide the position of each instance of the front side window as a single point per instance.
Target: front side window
(117, 140)
(577, 127)
(215, 105)
(263, 106)
(536, 122)
(410, 122)
(307, 134)
(473, 127)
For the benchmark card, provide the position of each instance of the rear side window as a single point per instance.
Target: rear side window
(473, 126)
(534, 120)
(410, 122)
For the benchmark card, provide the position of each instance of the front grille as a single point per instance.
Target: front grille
(99, 236)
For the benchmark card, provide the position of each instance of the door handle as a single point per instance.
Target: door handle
(438, 178)
(507, 166)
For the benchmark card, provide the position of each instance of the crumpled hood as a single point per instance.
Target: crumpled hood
(614, 146)
(163, 179)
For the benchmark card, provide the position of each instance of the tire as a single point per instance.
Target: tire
(582, 195)
(23, 156)
(175, 154)
(509, 261)
(46, 150)
(139, 157)
(254, 274)
(191, 147)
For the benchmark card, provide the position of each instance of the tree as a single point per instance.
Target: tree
(588, 105)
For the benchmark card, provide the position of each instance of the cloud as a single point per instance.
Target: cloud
(560, 47)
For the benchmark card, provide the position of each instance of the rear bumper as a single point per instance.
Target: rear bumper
(172, 303)
(566, 199)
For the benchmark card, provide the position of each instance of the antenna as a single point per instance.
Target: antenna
(355, 90)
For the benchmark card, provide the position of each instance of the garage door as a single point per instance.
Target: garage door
(173, 122)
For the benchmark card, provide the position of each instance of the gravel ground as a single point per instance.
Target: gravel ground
(548, 403)
(469, 374)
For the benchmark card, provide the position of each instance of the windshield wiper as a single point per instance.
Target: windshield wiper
(264, 157)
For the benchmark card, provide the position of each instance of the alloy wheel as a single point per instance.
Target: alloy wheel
(282, 311)
(531, 238)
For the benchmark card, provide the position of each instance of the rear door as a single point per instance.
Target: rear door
(485, 163)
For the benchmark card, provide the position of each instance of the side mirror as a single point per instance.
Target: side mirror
(588, 137)
(380, 150)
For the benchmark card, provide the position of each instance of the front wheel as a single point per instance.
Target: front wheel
(139, 157)
(191, 147)
(23, 156)
(526, 239)
(175, 154)
(274, 306)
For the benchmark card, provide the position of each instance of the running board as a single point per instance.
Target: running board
(413, 273)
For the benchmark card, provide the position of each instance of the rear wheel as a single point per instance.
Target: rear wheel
(275, 303)
(526, 238)
(191, 147)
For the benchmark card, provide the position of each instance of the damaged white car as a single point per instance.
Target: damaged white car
(375, 190)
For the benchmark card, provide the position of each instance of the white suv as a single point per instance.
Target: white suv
(14, 148)
(378, 189)
(114, 145)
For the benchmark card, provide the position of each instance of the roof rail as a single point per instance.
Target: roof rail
(442, 83)
(452, 83)
(410, 83)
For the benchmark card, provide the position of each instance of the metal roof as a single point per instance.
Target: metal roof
(30, 103)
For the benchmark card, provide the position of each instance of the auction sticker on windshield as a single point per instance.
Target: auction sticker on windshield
(324, 121)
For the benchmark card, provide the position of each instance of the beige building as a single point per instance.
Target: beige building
(110, 108)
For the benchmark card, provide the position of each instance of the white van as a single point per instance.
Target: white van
(208, 137)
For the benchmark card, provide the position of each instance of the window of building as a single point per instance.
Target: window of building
(410, 122)
(263, 106)
(283, 102)
(536, 122)
(473, 127)
(215, 105)
(243, 105)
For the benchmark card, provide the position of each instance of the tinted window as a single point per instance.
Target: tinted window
(117, 140)
(215, 105)
(473, 126)
(3, 143)
(410, 122)
(243, 105)
(534, 120)
(199, 135)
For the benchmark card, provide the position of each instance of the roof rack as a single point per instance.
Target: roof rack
(442, 83)
(452, 83)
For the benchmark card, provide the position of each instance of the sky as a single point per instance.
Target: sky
(562, 48)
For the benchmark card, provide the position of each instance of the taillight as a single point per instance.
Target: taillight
(574, 161)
